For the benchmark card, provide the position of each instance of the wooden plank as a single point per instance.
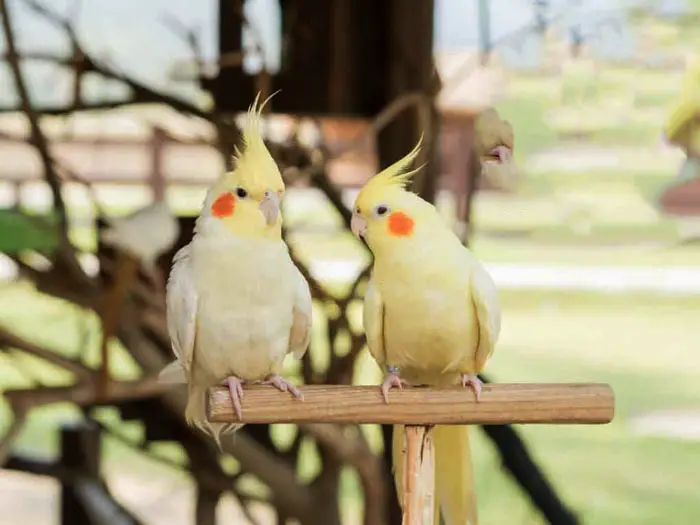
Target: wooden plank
(565, 403)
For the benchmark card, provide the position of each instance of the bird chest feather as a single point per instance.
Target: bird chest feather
(246, 295)
(430, 323)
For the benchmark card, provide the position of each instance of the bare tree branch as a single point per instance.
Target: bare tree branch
(36, 133)
(63, 109)
(8, 339)
(189, 36)
(141, 92)
(84, 394)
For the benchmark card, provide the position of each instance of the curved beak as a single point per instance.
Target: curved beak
(500, 154)
(358, 225)
(270, 207)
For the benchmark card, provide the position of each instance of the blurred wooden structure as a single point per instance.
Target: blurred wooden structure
(419, 409)
(340, 57)
(343, 62)
(161, 158)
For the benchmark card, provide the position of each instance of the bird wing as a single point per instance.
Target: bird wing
(181, 303)
(488, 311)
(373, 321)
(300, 333)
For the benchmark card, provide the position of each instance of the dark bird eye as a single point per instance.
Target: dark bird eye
(241, 193)
(381, 209)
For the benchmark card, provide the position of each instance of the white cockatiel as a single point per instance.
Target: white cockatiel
(144, 234)
(236, 303)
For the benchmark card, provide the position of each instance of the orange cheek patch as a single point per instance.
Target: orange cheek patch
(400, 224)
(224, 205)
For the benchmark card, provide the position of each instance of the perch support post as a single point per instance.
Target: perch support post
(419, 476)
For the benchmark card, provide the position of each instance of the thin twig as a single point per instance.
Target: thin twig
(37, 135)
(141, 92)
(84, 394)
(62, 109)
(189, 36)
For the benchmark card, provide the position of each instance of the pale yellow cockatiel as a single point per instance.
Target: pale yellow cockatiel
(432, 317)
(236, 303)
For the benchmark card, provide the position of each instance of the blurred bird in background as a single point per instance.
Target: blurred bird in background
(494, 143)
(139, 238)
(144, 234)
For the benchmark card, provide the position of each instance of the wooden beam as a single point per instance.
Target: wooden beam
(572, 403)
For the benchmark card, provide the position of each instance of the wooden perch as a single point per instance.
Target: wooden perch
(572, 403)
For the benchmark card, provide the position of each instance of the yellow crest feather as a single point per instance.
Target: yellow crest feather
(253, 162)
(391, 179)
(396, 174)
(252, 128)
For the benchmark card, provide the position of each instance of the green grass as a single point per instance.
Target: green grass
(642, 346)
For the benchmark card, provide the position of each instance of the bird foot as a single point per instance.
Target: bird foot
(283, 385)
(472, 381)
(235, 388)
(390, 380)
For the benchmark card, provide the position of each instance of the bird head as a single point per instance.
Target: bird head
(493, 145)
(386, 213)
(247, 199)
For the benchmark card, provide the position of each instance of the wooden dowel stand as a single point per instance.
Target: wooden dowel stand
(418, 409)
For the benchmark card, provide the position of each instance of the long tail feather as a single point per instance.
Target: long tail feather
(196, 415)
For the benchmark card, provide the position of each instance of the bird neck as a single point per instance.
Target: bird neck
(214, 229)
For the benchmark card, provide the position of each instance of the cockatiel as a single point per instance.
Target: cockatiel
(145, 234)
(431, 315)
(236, 303)
(493, 144)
